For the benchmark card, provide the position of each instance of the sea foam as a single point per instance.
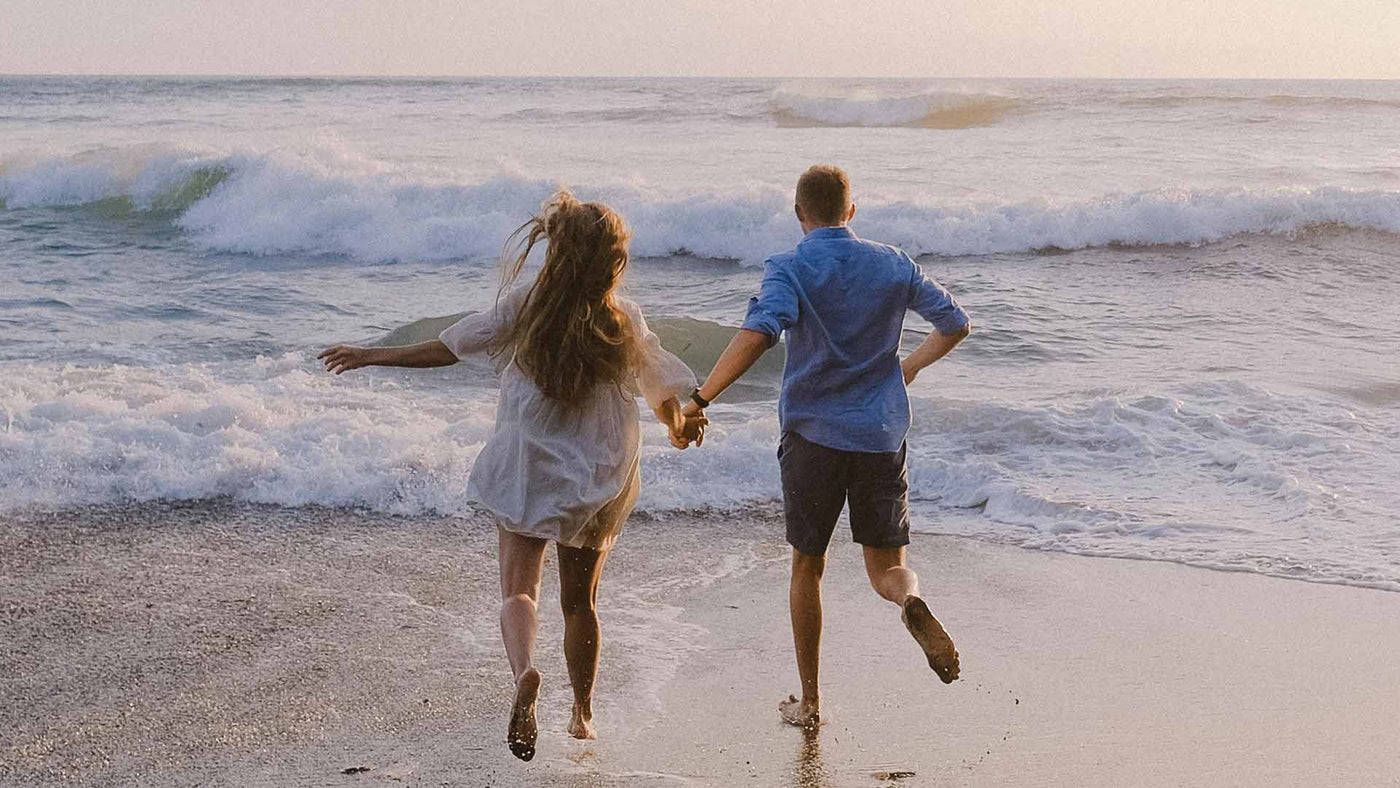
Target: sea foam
(332, 204)
(1113, 475)
(272, 431)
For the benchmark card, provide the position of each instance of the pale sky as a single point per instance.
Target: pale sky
(790, 38)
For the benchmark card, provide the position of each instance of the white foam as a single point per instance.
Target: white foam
(283, 431)
(274, 431)
(332, 202)
(269, 211)
(1106, 475)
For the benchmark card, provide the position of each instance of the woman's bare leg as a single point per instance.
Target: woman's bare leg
(522, 566)
(579, 570)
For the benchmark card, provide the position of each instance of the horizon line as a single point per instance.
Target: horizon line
(351, 76)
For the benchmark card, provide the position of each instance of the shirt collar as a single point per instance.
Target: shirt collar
(830, 232)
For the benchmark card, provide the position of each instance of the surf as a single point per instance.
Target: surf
(814, 106)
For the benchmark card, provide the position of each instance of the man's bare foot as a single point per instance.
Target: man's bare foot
(931, 637)
(806, 716)
(581, 724)
(523, 729)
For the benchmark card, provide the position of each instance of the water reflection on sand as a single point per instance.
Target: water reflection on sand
(808, 770)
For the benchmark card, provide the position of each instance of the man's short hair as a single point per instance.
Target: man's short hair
(824, 194)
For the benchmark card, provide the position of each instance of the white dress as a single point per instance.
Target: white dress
(569, 474)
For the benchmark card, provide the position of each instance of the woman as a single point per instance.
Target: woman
(562, 464)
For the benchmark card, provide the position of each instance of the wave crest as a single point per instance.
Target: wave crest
(121, 180)
(338, 205)
(797, 106)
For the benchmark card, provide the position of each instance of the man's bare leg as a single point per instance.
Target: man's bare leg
(579, 570)
(896, 582)
(522, 566)
(805, 606)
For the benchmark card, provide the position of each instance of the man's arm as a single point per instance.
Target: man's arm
(744, 349)
(935, 346)
(343, 358)
(933, 303)
(771, 313)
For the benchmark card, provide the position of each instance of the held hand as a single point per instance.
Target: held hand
(676, 432)
(909, 373)
(694, 431)
(343, 358)
(689, 430)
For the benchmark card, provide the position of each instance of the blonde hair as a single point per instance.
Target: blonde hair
(570, 334)
(824, 194)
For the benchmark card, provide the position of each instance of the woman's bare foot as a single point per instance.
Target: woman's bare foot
(931, 637)
(523, 728)
(581, 723)
(807, 716)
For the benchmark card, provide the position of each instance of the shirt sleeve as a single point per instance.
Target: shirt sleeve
(774, 309)
(933, 303)
(661, 375)
(476, 332)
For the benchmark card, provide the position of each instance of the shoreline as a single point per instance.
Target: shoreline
(223, 643)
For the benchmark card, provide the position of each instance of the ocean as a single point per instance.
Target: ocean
(1186, 294)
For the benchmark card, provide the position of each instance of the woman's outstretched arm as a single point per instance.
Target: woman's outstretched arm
(343, 358)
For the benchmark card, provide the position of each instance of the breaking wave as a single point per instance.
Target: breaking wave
(332, 204)
(812, 105)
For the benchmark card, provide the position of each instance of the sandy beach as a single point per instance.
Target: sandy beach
(221, 643)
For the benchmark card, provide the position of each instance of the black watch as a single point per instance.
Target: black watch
(699, 400)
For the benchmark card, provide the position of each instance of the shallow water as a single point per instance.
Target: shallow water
(1184, 292)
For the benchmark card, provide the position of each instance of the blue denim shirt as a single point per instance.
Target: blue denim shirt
(842, 301)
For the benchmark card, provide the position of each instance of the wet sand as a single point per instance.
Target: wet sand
(214, 643)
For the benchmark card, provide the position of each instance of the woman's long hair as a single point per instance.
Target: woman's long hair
(570, 334)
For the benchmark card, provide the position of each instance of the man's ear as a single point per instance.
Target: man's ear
(797, 209)
(851, 214)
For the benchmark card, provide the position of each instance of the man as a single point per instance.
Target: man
(844, 410)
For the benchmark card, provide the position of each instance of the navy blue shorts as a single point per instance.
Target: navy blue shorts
(818, 481)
